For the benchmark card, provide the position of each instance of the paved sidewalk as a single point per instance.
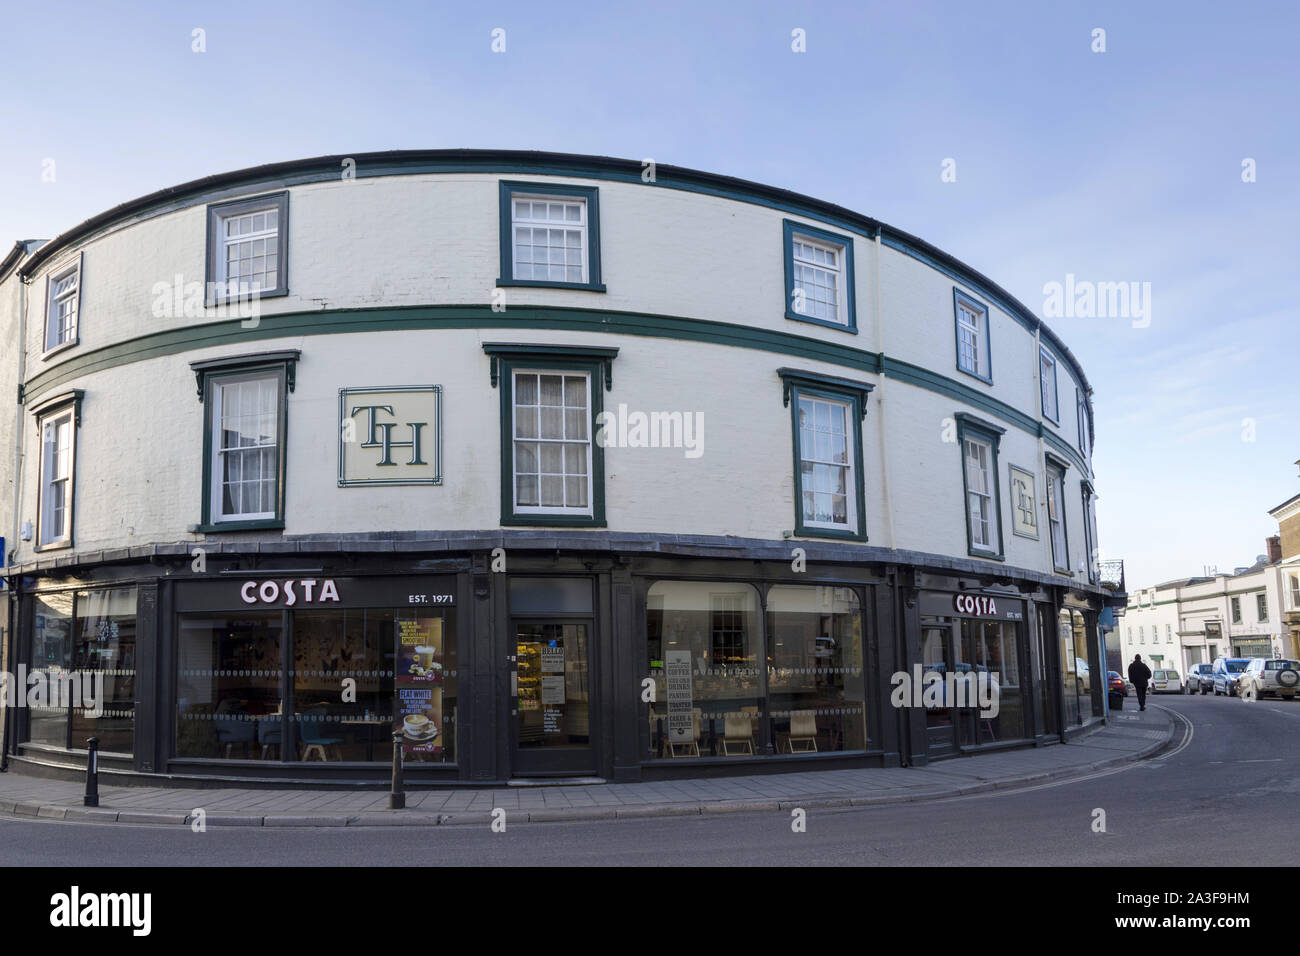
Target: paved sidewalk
(1129, 736)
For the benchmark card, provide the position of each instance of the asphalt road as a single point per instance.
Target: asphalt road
(1224, 793)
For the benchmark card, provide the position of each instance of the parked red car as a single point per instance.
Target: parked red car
(1115, 683)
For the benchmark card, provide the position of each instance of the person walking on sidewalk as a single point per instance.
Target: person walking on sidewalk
(1140, 675)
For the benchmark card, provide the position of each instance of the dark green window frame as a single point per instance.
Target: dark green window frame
(789, 230)
(1045, 352)
(1089, 531)
(597, 363)
(1059, 466)
(980, 430)
(209, 372)
(589, 194)
(217, 212)
(796, 383)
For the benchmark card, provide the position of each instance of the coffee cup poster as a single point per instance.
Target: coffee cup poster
(418, 709)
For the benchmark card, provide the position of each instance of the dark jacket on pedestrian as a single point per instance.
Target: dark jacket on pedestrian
(1139, 674)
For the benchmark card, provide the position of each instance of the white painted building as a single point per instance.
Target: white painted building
(1193, 621)
(417, 402)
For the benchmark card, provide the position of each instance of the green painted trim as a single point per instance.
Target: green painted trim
(788, 231)
(993, 435)
(272, 176)
(794, 386)
(505, 191)
(595, 367)
(296, 324)
(1056, 385)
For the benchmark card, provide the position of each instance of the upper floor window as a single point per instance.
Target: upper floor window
(1056, 517)
(819, 277)
(1236, 610)
(553, 467)
(1089, 533)
(827, 416)
(1294, 591)
(63, 295)
(1261, 606)
(1169, 634)
(972, 337)
(550, 236)
(1081, 409)
(245, 400)
(248, 248)
(979, 444)
(1047, 381)
(57, 420)
(1142, 635)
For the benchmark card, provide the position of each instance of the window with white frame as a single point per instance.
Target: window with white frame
(979, 492)
(1056, 518)
(1047, 380)
(245, 446)
(247, 248)
(827, 484)
(818, 279)
(1294, 590)
(57, 455)
(64, 295)
(1142, 634)
(1236, 610)
(819, 276)
(972, 337)
(549, 238)
(1169, 634)
(1261, 606)
(552, 444)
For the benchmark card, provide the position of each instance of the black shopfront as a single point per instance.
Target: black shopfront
(618, 666)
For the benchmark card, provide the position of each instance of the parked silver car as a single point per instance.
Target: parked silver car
(1263, 677)
(1198, 679)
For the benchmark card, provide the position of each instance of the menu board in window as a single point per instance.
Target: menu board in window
(418, 685)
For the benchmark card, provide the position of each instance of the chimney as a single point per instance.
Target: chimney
(1273, 546)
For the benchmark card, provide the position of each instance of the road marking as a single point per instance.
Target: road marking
(1262, 760)
(1191, 730)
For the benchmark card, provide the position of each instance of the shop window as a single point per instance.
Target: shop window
(83, 643)
(236, 700)
(246, 414)
(723, 692)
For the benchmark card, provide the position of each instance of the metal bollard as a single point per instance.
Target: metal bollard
(91, 799)
(397, 799)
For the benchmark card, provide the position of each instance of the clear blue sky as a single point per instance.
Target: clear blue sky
(1115, 166)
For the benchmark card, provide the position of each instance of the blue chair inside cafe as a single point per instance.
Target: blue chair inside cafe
(269, 734)
(312, 732)
(233, 727)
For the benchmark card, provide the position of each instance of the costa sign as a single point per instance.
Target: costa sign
(976, 605)
(289, 592)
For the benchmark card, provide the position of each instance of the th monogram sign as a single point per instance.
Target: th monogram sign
(390, 436)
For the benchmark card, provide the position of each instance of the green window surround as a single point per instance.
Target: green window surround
(1056, 469)
(973, 340)
(588, 198)
(827, 411)
(581, 455)
(250, 394)
(978, 442)
(814, 298)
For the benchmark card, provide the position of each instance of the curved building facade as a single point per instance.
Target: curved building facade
(553, 464)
